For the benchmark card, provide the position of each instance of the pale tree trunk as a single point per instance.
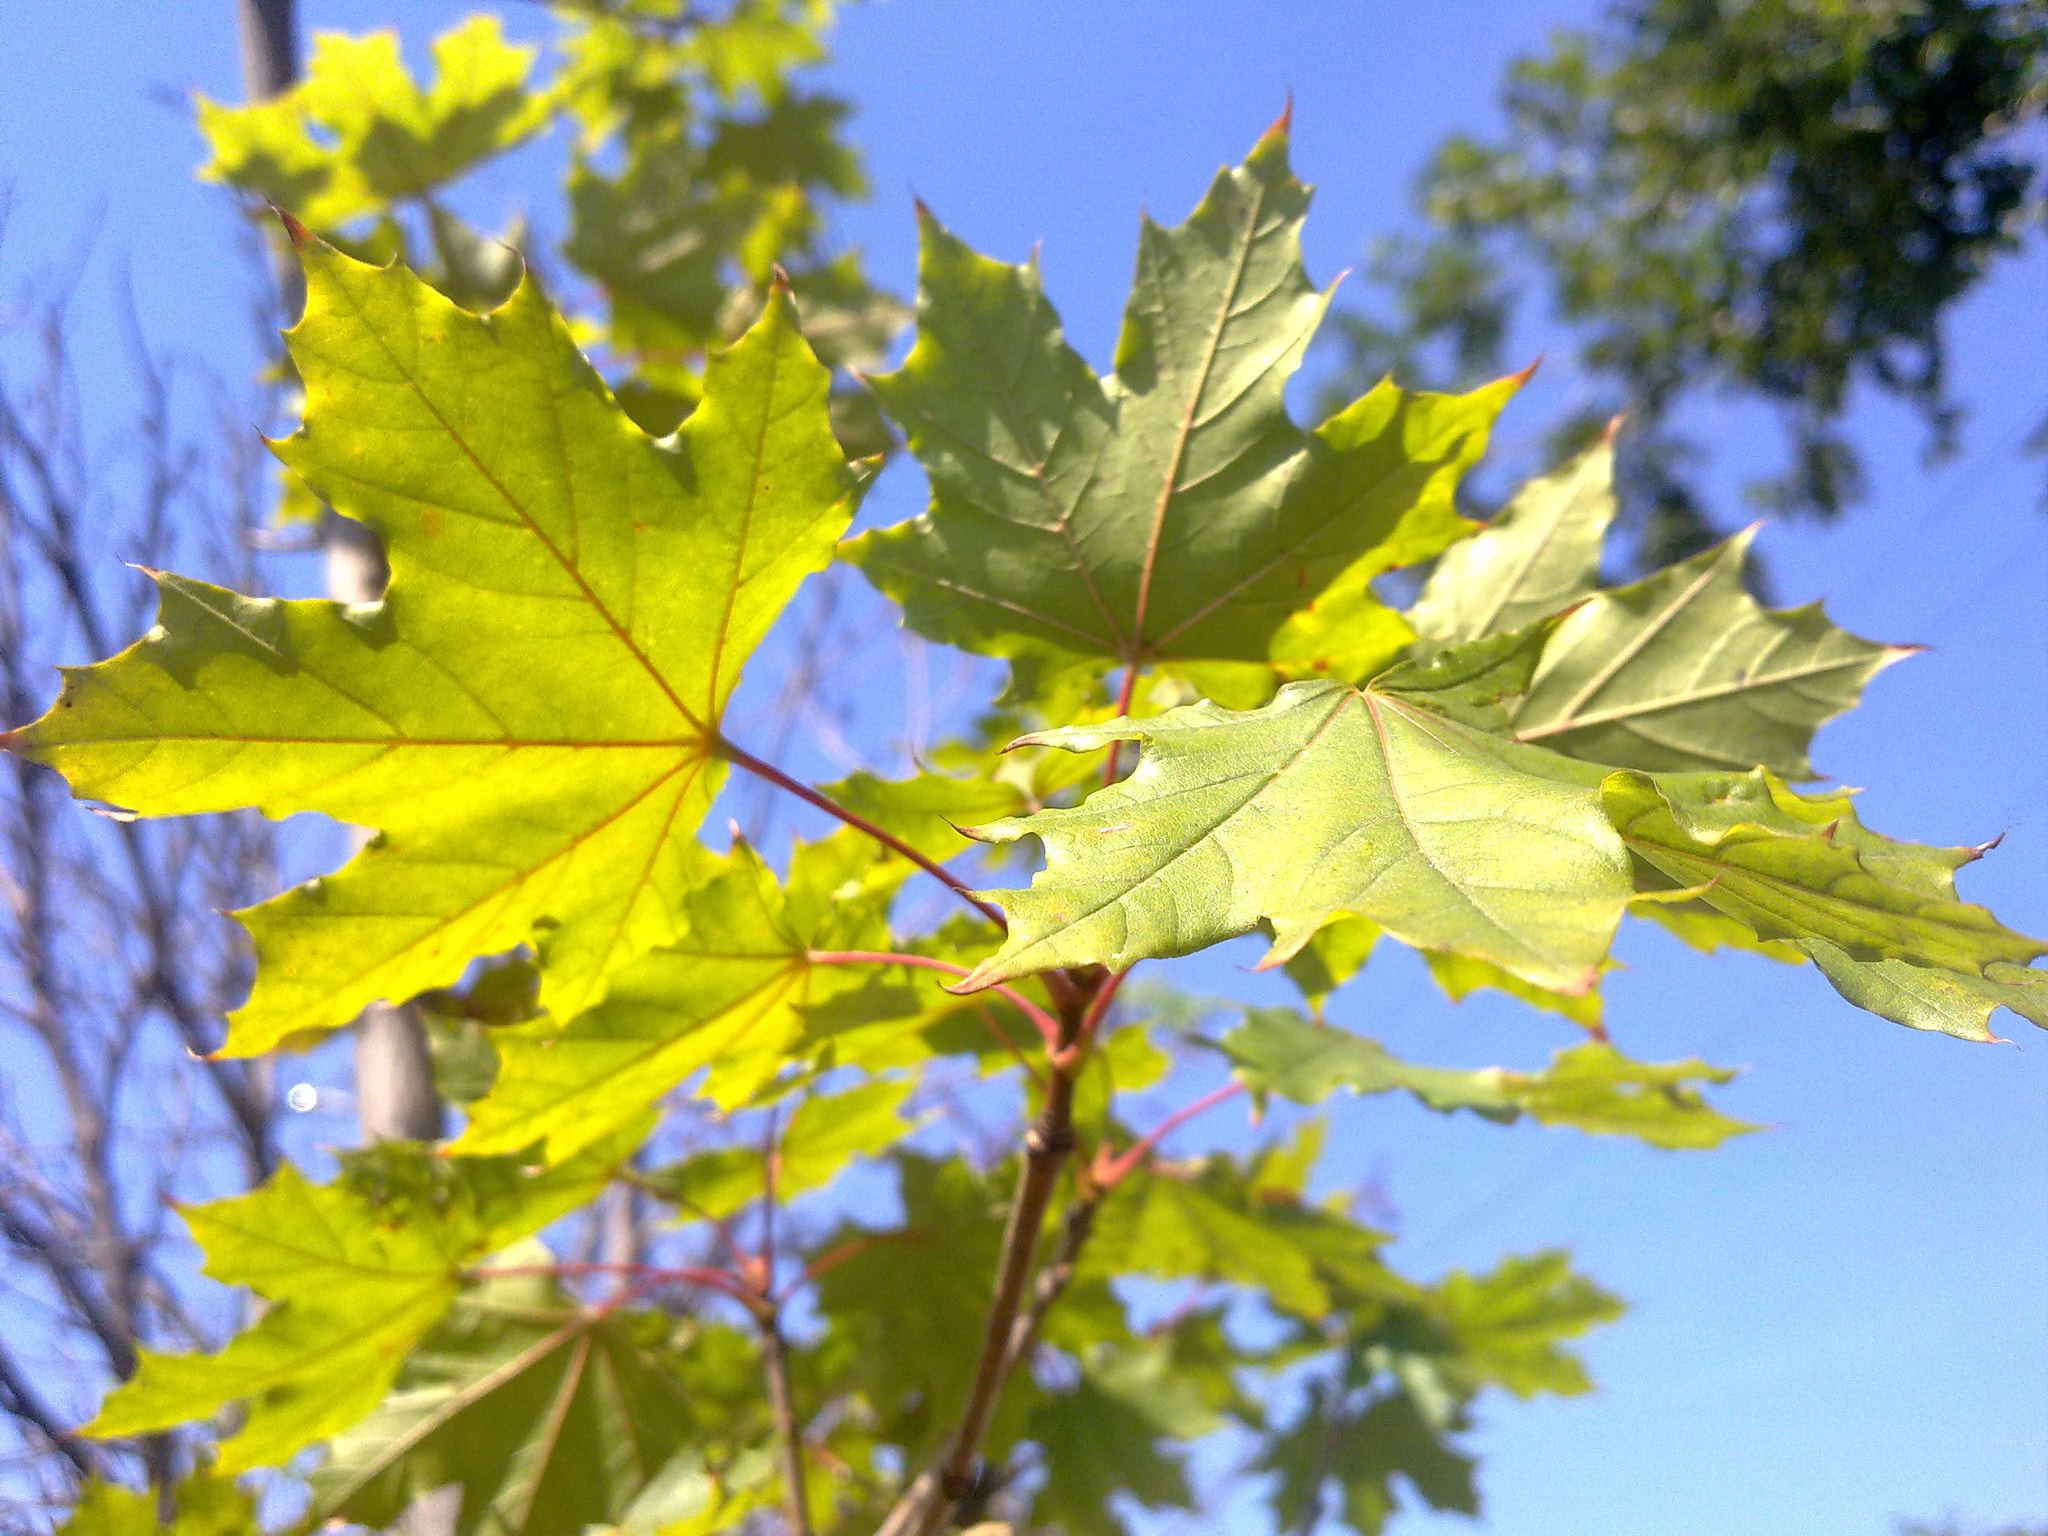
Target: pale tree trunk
(394, 1074)
(395, 1099)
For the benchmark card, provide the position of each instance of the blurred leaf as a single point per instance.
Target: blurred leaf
(355, 1272)
(547, 1424)
(206, 1505)
(1592, 1087)
(824, 1134)
(1461, 975)
(383, 139)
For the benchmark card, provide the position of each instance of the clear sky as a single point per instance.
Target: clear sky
(1838, 1323)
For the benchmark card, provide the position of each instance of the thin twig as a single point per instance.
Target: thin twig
(995, 1027)
(740, 758)
(19, 1398)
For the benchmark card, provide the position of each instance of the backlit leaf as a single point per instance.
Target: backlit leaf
(1336, 953)
(823, 1134)
(1170, 512)
(531, 716)
(1874, 914)
(1328, 800)
(1592, 1087)
(383, 139)
(1537, 558)
(1685, 670)
(206, 1504)
(1461, 975)
(355, 1272)
(547, 1423)
(731, 995)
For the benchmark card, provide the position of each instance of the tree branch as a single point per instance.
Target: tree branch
(21, 1400)
(788, 1432)
(924, 1506)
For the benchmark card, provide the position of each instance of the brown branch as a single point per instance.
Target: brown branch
(924, 1507)
(1054, 1277)
(741, 758)
(1079, 1224)
(788, 1431)
(19, 1398)
(789, 1435)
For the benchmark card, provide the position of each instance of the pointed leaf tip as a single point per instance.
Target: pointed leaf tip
(1529, 372)
(297, 233)
(1614, 423)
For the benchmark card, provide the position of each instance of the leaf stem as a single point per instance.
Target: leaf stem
(1110, 1171)
(1048, 1027)
(1124, 692)
(649, 1275)
(739, 757)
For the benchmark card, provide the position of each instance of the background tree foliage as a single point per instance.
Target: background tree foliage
(1778, 199)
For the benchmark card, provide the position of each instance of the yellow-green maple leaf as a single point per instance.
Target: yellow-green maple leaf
(530, 718)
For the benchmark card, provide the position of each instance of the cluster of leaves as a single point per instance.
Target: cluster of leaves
(1772, 195)
(534, 719)
(698, 167)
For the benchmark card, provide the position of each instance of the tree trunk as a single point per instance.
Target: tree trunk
(395, 1097)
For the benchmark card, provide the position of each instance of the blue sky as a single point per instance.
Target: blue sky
(1837, 1323)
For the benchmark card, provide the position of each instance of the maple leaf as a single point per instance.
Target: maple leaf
(386, 140)
(1880, 918)
(549, 1416)
(1685, 670)
(355, 1273)
(1682, 670)
(1592, 1087)
(1329, 800)
(530, 718)
(1537, 557)
(1171, 512)
(1244, 1222)
(206, 1505)
(731, 995)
